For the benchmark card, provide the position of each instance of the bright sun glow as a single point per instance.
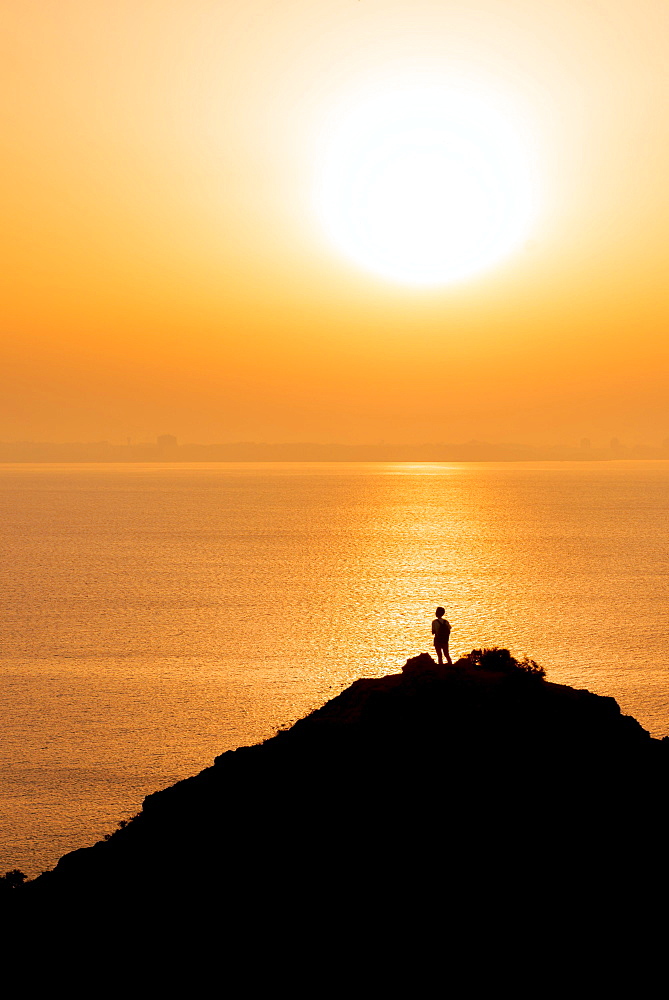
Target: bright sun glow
(426, 186)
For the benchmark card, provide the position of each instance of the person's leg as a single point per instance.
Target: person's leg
(438, 649)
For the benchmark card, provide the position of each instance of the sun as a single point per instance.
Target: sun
(426, 185)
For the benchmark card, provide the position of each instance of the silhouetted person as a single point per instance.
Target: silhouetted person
(441, 630)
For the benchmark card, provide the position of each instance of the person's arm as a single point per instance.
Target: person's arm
(435, 626)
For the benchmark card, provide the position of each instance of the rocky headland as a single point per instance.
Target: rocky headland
(433, 790)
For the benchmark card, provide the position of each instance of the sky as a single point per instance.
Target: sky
(171, 263)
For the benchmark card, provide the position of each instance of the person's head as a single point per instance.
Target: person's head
(440, 612)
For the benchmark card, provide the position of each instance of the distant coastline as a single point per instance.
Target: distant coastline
(249, 451)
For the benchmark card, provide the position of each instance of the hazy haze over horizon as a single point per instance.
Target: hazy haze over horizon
(165, 268)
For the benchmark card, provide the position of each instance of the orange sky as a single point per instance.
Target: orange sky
(164, 268)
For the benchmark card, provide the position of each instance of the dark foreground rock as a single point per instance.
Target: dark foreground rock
(463, 793)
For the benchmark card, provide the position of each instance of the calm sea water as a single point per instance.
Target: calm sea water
(155, 616)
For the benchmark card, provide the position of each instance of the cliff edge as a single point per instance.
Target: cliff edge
(480, 784)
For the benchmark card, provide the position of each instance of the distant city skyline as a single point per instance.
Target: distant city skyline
(166, 447)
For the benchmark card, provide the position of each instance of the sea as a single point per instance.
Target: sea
(155, 616)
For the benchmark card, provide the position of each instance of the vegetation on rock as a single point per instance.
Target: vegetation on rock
(498, 660)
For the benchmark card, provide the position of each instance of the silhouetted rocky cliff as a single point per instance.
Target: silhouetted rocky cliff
(481, 784)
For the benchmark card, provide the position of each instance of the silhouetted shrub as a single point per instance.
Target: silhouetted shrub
(12, 880)
(502, 662)
(121, 825)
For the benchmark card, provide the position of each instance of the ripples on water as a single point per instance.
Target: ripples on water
(155, 616)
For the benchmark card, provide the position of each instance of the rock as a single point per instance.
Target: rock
(423, 666)
(436, 786)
